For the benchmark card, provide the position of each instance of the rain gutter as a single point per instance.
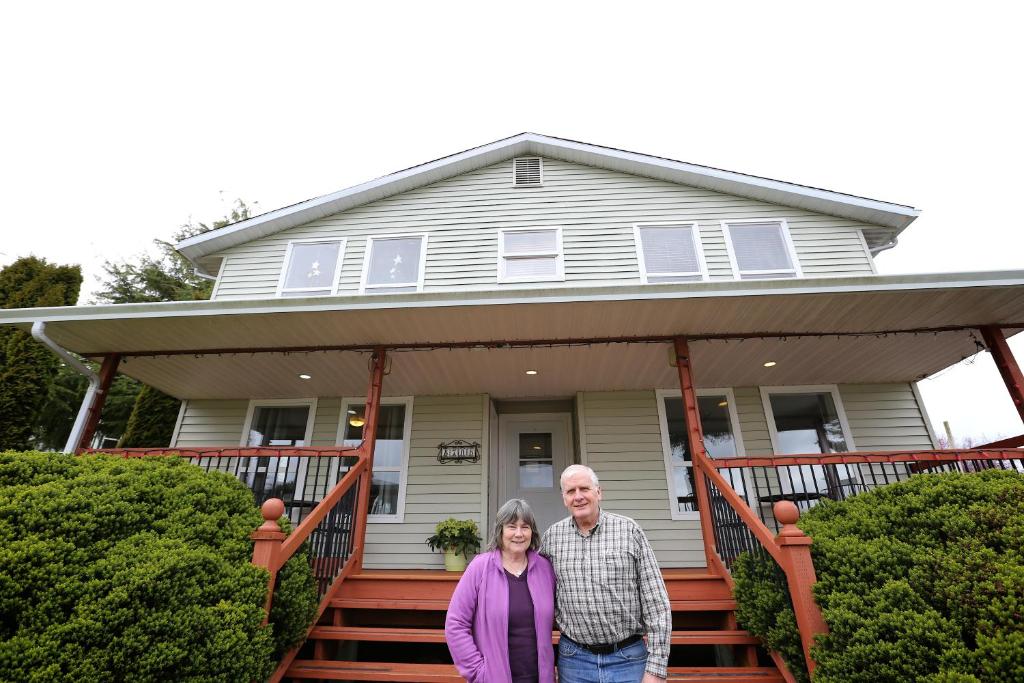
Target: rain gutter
(39, 333)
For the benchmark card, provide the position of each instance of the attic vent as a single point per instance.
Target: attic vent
(526, 171)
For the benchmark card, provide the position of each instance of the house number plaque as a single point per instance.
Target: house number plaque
(458, 451)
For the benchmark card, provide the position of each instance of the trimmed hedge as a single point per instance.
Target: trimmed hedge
(922, 580)
(115, 569)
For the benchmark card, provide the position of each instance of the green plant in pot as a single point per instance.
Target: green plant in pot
(457, 538)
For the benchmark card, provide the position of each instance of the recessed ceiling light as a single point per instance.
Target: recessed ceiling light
(769, 364)
(531, 372)
(303, 375)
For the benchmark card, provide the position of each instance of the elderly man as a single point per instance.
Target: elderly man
(609, 592)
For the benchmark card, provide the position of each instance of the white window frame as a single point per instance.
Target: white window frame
(666, 445)
(403, 477)
(541, 165)
(773, 433)
(787, 239)
(697, 244)
(300, 474)
(558, 254)
(312, 291)
(366, 288)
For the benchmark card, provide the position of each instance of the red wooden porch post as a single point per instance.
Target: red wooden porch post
(107, 373)
(799, 570)
(695, 439)
(266, 550)
(371, 414)
(1007, 364)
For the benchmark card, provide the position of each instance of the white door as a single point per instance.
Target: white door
(533, 451)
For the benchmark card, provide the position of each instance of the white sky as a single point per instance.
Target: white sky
(119, 121)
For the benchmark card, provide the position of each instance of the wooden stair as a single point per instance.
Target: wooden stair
(389, 626)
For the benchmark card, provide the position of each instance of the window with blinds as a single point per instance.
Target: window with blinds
(669, 252)
(530, 255)
(527, 171)
(760, 250)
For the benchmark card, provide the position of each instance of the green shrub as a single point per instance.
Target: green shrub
(922, 580)
(116, 569)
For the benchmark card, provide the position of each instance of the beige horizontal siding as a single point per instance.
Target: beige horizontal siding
(596, 209)
(434, 491)
(623, 437)
(885, 417)
(212, 423)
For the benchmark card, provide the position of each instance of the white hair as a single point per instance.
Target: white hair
(576, 469)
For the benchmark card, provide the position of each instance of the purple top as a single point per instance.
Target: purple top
(522, 635)
(477, 625)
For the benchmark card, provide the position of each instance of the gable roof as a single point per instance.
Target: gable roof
(891, 218)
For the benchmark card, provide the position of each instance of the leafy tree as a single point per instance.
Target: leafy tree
(26, 367)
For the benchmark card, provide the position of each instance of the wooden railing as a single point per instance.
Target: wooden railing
(741, 491)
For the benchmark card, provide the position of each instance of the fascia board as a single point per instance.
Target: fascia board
(692, 290)
(896, 216)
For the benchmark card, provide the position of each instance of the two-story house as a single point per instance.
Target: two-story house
(536, 302)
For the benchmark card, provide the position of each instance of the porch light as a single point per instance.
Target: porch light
(531, 372)
(770, 364)
(356, 421)
(303, 375)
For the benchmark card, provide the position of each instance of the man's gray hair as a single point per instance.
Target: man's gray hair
(576, 469)
(515, 510)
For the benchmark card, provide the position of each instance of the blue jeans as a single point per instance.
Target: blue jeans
(578, 665)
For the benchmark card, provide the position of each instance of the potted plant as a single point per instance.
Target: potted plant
(457, 538)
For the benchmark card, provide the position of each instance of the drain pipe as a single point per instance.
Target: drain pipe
(39, 332)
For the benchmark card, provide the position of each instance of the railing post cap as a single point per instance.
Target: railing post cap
(786, 512)
(273, 510)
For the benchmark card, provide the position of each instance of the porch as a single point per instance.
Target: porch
(618, 366)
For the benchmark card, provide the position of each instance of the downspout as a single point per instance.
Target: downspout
(39, 332)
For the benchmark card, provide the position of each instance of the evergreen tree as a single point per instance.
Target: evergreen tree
(169, 276)
(151, 423)
(27, 368)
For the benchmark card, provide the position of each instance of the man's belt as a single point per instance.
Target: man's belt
(609, 648)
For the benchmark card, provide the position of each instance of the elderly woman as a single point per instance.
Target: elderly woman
(501, 615)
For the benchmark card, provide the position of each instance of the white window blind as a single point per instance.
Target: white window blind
(526, 171)
(530, 255)
(669, 253)
(394, 264)
(311, 268)
(761, 250)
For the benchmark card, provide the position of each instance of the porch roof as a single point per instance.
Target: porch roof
(224, 338)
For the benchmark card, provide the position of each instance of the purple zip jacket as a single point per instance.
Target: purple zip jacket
(476, 627)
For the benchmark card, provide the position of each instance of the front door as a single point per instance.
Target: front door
(533, 451)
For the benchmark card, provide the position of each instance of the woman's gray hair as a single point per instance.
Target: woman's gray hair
(515, 510)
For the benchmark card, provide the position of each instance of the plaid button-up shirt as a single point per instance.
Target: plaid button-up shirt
(609, 586)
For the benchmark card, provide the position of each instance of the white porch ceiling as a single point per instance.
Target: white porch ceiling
(833, 306)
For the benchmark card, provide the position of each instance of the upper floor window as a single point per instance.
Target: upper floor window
(530, 255)
(311, 267)
(669, 252)
(394, 263)
(760, 250)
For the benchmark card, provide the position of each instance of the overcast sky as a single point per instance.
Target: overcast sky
(121, 121)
